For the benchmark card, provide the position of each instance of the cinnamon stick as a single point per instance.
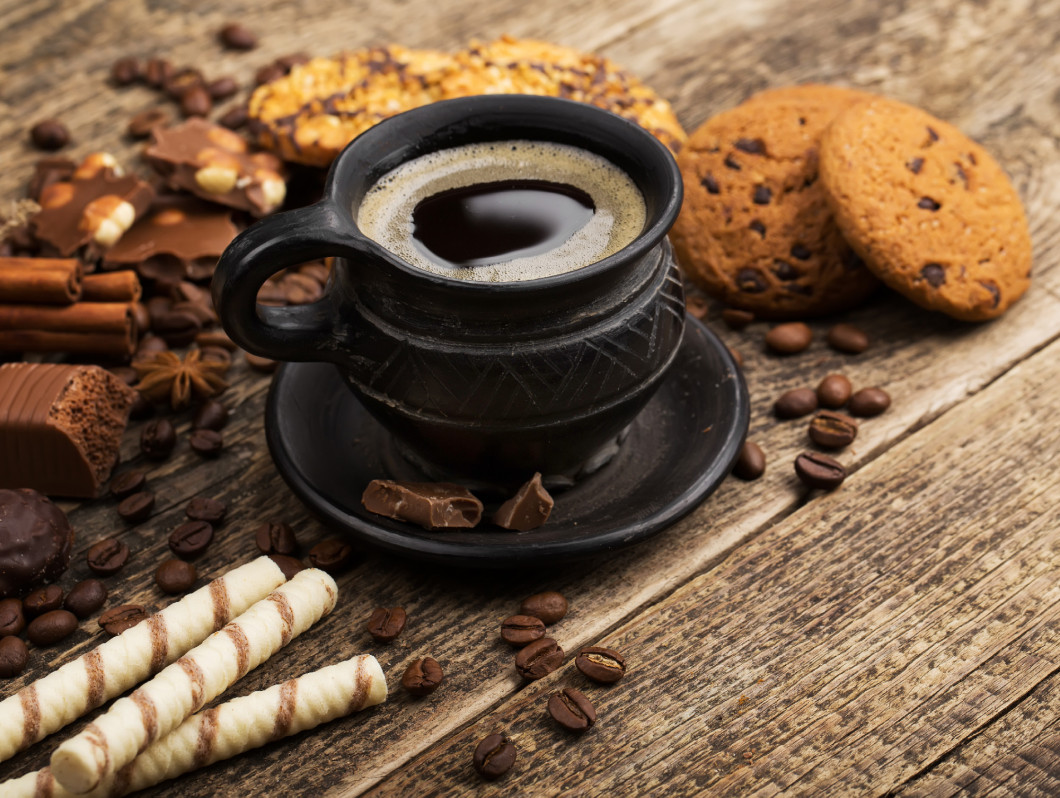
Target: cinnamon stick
(40, 280)
(121, 286)
(101, 328)
(119, 345)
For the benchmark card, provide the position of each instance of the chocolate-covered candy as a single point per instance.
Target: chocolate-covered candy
(86, 597)
(35, 540)
(528, 509)
(42, 600)
(432, 505)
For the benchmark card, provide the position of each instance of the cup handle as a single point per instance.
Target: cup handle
(299, 332)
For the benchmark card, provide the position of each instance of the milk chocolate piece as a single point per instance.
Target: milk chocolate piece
(35, 541)
(180, 237)
(212, 162)
(60, 426)
(528, 509)
(432, 505)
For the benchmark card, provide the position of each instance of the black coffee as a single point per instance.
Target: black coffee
(488, 223)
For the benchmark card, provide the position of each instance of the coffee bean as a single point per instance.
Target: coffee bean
(128, 483)
(12, 618)
(602, 665)
(42, 600)
(790, 338)
(848, 338)
(13, 657)
(549, 606)
(422, 676)
(157, 72)
(269, 73)
(203, 509)
(237, 37)
(222, 88)
(795, 404)
(235, 117)
(288, 565)
(176, 327)
(494, 756)
(211, 416)
(117, 619)
(125, 71)
(539, 659)
(737, 319)
(141, 125)
(206, 442)
(196, 102)
(141, 408)
(51, 134)
(819, 471)
(331, 555)
(175, 576)
(183, 80)
(191, 539)
(51, 627)
(86, 597)
(157, 439)
(869, 402)
(107, 557)
(572, 710)
(276, 538)
(386, 624)
(136, 508)
(834, 391)
(751, 462)
(831, 430)
(519, 630)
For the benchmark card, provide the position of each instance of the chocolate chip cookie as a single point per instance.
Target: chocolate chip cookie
(931, 212)
(755, 229)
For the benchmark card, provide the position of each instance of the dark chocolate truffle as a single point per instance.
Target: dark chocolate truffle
(35, 541)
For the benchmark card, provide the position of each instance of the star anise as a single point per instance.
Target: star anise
(166, 374)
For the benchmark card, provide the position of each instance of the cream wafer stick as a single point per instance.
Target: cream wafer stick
(231, 728)
(113, 667)
(160, 705)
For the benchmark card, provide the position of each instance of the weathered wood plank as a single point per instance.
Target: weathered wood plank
(839, 652)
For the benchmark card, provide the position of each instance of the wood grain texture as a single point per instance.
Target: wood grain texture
(991, 68)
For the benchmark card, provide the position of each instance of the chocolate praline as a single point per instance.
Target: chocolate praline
(35, 541)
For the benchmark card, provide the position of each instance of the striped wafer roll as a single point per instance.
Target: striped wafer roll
(231, 728)
(113, 667)
(160, 705)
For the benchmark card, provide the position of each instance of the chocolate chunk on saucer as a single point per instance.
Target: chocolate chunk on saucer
(212, 162)
(35, 540)
(432, 505)
(528, 509)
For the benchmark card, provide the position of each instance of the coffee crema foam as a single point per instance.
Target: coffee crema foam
(385, 214)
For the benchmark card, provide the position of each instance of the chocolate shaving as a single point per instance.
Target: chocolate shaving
(528, 509)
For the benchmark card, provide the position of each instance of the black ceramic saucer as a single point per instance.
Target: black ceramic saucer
(681, 446)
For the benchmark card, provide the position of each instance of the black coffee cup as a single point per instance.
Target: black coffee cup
(476, 380)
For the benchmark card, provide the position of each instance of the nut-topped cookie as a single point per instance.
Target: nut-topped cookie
(755, 229)
(931, 212)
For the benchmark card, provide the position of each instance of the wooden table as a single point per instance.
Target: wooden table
(898, 636)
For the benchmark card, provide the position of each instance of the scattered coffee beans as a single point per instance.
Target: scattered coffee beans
(751, 462)
(191, 539)
(288, 565)
(137, 507)
(795, 404)
(790, 338)
(222, 88)
(737, 319)
(206, 442)
(832, 430)
(42, 600)
(12, 619)
(276, 538)
(157, 72)
(51, 134)
(107, 557)
(175, 576)
(51, 627)
(331, 555)
(819, 471)
(212, 415)
(235, 117)
(125, 71)
(539, 659)
(141, 125)
(834, 391)
(422, 676)
(13, 657)
(128, 483)
(85, 597)
(848, 338)
(385, 624)
(494, 756)
(549, 606)
(869, 402)
(196, 101)
(602, 665)
(158, 439)
(237, 37)
(125, 616)
(519, 630)
(209, 510)
(572, 710)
